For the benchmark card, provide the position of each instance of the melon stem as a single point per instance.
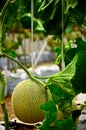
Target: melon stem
(31, 76)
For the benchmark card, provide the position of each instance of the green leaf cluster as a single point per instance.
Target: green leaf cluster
(80, 75)
(79, 78)
(78, 13)
(48, 107)
(50, 122)
(60, 83)
(50, 12)
(26, 22)
(64, 86)
(62, 93)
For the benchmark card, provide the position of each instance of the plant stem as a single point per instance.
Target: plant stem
(24, 68)
(62, 52)
(5, 116)
(2, 101)
(32, 19)
(7, 3)
(42, 77)
(4, 11)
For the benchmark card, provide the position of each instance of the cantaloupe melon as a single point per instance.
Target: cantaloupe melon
(78, 101)
(27, 97)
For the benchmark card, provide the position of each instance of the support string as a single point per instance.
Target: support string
(62, 45)
(32, 18)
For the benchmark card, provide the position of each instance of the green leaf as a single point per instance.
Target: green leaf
(76, 16)
(79, 12)
(46, 7)
(26, 21)
(71, 3)
(68, 72)
(50, 111)
(45, 4)
(81, 44)
(69, 55)
(66, 124)
(11, 53)
(38, 26)
(56, 2)
(61, 87)
(58, 59)
(79, 78)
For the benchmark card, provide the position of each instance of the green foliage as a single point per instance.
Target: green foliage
(70, 53)
(61, 125)
(2, 2)
(10, 53)
(58, 49)
(5, 13)
(65, 125)
(51, 123)
(62, 92)
(52, 17)
(81, 44)
(50, 111)
(60, 83)
(79, 12)
(20, 12)
(51, 14)
(71, 3)
(79, 78)
(26, 22)
(64, 86)
(80, 75)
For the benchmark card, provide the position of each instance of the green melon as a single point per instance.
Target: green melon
(27, 97)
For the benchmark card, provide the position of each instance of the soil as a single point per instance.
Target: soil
(13, 124)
